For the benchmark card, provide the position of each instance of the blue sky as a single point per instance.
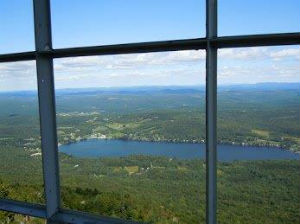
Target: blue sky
(97, 22)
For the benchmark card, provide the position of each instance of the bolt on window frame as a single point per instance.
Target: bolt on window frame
(44, 55)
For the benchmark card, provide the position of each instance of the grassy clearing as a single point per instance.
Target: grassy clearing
(261, 133)
(132, 169)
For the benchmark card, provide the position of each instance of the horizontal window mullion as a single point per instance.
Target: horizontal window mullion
(256, 40)
(146, 47)
(23, 208)
(160, 46)
(23, 56)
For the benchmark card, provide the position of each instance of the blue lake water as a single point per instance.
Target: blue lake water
(115, 148)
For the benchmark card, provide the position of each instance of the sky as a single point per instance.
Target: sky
(98, 22)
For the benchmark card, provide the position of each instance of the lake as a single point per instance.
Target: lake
(226, 153)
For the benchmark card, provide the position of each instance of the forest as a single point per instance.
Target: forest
(156, 189)
(159, 190)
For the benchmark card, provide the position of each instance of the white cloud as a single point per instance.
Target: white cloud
(292, 53)
(129, 61)
(259, 64)
(182, 67)
(133, 69)
(255, 53)
(256, 72)
(18, 76)
(243, 53)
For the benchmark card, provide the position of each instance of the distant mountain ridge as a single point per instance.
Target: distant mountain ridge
(265, 86)
(179, 89)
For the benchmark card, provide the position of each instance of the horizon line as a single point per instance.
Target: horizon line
(150, 86)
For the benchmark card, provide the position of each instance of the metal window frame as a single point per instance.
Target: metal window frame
(44, 55)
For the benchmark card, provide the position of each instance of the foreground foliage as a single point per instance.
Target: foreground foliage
(161, 190)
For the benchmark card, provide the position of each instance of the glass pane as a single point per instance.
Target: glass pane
(259, 135)
(16, 26)
(238, 17)
(20, 148)
(131, 132)
(93, 22)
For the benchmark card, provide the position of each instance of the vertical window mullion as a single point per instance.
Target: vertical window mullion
(211, 113)
(43, 42)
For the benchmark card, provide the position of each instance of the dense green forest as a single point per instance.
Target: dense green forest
(246, 116)
(160, 190)
(156, 189)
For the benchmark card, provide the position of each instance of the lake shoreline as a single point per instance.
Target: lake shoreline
(180, 142)
(94, 147)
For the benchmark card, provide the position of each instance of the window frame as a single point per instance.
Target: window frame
(44, 55)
